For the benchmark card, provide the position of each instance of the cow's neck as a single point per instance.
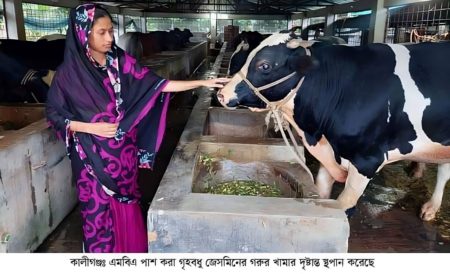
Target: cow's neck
(284, 113)
(288, 114)
(288, 108)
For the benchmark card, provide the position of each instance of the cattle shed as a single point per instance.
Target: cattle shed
(205, 143)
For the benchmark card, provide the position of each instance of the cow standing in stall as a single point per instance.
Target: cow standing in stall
(356, 108)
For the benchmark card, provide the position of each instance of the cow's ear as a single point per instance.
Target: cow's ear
(299, 61)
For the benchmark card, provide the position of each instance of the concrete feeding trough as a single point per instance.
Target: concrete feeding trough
(265, 164)
(157, 65)
(239, 123)
(183, 219)
(239, 126)
(14, 117)
(36, 189)
(177, 64)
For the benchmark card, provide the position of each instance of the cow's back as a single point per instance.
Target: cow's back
(430, 70)
(35, 55)
(358, 99)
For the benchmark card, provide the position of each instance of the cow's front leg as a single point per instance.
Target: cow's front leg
(323, 152)
(324, 182)
(354, 188)
(430, 208)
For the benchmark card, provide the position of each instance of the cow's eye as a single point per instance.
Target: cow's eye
(264, 67)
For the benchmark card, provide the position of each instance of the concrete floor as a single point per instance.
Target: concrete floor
(387, 216)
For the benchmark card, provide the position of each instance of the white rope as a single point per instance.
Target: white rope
(294, 147)
(274, 110)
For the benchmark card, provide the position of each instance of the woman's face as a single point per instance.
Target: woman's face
(102, 35)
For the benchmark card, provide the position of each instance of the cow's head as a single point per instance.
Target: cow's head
(276, 57)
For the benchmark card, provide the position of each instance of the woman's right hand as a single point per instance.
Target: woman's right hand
(215, 82)
(103, 129)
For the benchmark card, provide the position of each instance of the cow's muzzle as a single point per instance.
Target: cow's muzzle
(232, 104)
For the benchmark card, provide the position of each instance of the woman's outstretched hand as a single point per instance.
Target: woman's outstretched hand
(216, 82)
(177, 86)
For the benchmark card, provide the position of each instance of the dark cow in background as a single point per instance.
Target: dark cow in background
(24, 65)
(18, 83)
(131, 43)
(35, 55)
(358, 108)
(146, 44)
(183, 35)
(242, 45)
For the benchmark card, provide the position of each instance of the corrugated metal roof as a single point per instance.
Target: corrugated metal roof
(226, 6)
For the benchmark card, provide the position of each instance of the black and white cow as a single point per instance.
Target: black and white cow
(358, 108)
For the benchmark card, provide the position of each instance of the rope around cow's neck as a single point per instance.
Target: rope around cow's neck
(275, 108)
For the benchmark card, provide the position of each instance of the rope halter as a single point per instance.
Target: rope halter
(275, 112)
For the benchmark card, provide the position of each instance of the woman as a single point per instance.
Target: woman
(111, 113)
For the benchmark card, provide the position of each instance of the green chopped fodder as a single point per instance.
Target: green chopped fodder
(244, 188)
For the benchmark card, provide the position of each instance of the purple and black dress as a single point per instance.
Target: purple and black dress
(106, 169)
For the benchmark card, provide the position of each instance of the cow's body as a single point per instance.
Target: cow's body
(35, 55)
(392, 107)
(369, 105)
(19, 83)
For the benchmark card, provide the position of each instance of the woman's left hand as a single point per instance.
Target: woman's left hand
(216, 82)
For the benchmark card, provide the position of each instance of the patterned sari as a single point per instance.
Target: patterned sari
(106, 169)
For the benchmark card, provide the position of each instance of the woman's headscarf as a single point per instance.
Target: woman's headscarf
(121, 91)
